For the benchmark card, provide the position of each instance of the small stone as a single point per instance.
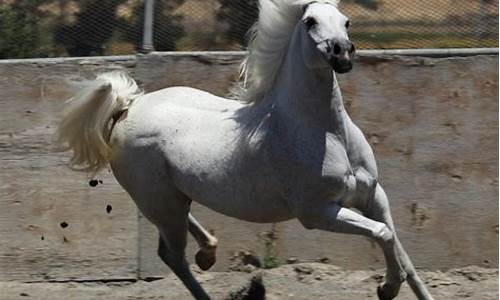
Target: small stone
(64, 224)
(378, 278)
(248, 268)
(304, 269)
(323, 260)
(250, 259)
(292, 260)
(93, 183)
(108, 208)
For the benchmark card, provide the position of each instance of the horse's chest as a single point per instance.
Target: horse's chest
(325, 172)
(317, 163)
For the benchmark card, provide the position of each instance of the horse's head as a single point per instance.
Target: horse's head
(324, 28)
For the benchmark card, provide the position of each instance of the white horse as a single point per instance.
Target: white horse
(288, 150)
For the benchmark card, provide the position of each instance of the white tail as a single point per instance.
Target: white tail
(85, 126)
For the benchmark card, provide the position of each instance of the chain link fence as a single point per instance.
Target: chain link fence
(54, 28)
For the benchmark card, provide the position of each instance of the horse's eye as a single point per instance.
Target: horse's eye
(310, 22)
(347, 24)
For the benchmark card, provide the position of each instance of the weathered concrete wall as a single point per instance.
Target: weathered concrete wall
(38, 193)
(433, 124)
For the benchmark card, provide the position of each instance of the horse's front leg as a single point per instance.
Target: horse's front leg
(378, 209)
(335, 218)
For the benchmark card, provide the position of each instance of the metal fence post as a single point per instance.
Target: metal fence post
(147, 37)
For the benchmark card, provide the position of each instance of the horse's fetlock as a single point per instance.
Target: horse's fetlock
(212, 243)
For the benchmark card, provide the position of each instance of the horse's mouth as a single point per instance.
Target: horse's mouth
(341, 66)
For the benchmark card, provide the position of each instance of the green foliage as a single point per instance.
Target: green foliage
(24, 33)
(270, 259)
(19, 32)
(41, 28)
(93, 28)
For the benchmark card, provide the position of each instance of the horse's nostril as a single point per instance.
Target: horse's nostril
(336, 49)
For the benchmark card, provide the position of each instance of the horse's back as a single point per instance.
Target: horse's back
(180, 119)
(188, 97)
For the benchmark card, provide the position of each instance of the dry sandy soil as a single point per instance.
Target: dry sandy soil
(295, 281)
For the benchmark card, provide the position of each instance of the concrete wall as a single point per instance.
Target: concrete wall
(433, 123)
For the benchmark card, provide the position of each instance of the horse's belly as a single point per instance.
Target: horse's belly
(251, 210)
(235, 193)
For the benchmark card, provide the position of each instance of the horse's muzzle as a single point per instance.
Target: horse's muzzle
(340, 55)
(340, 65)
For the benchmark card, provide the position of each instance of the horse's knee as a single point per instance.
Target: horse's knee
(383, 234)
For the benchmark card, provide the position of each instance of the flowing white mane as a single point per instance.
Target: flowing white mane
(268, 44)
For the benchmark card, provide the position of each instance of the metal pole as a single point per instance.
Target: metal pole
(147, 41)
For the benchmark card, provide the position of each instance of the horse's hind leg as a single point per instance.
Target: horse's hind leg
(163, 205)
(205, 257)
(378, 210)
(172, 243)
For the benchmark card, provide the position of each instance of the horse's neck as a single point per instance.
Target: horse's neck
(309, 97)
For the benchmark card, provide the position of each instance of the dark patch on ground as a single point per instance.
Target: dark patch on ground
(254, 290)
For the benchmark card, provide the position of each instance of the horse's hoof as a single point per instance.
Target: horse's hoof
(381, 295)
(205, 258)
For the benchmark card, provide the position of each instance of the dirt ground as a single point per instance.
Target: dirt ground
(294, 281)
